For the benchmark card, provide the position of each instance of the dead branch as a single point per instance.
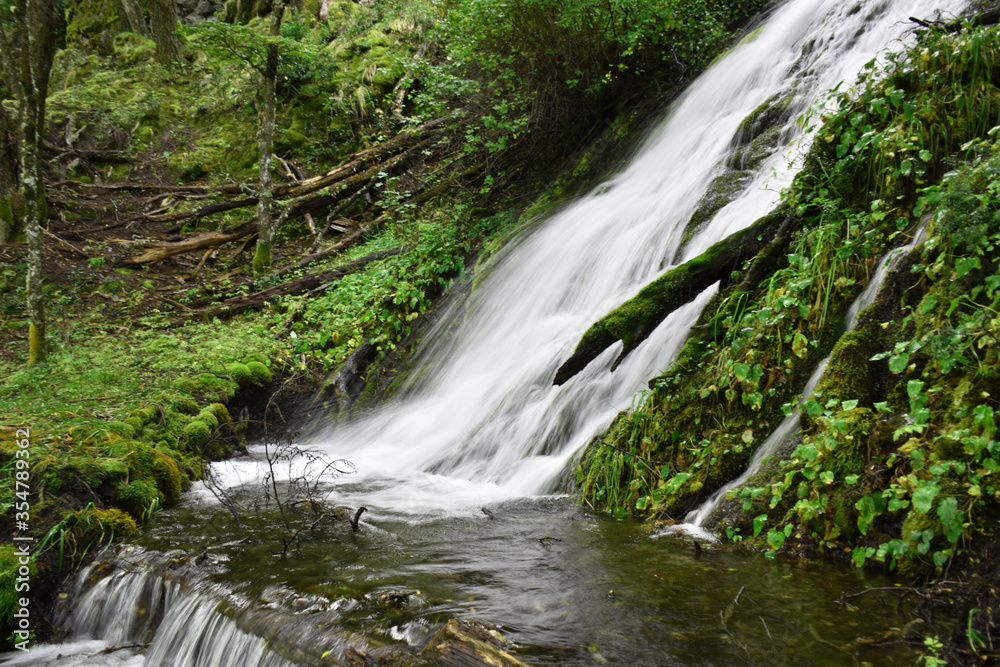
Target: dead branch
(351, 239)
(155, 252)
(65, 243)
(256, 300)
(88, 154)
(403, 86)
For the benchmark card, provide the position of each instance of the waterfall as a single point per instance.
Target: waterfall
(483, 422)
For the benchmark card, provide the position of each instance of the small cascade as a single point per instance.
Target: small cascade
(887, 264)
(194, 633)
(185, 621)
(121, 609)
(695, 523)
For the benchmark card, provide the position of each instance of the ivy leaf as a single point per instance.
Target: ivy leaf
(924, 497)
(758, 524)
(800, 345)
(849, 405)
(898, 362)
(966, 264)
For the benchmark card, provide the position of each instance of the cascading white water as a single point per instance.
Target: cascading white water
(484, 422)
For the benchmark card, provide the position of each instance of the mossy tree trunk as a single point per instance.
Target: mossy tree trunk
(10, 208)
(633, 321)
(37, 22)
(11, 218)
(163, 21)
(265, 220)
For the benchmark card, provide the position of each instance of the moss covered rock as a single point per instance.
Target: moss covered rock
(221, 412)
(196, 434)
(260, 373)
(240, 374)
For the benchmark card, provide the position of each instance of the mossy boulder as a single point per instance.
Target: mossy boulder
(207, 415)
(167, 475)
(103, 525)
(196, 434)
(138, 496)
(240, 374)
(259, 373)
(220, 411)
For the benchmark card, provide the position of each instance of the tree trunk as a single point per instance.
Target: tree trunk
(11, 212)
(265, 222)
(163, 20)
(36, 23)
(134, 17)
(324, 11)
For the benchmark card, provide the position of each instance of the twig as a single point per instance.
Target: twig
(65, 243)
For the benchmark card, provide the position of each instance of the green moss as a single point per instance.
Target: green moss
(120, 429)
(196, 434)
(101, 526)
(138, 496)
(210, 386)
(851, 374)
(260, 373)
(208, 417)
(182, 404)
(91, 25)
(722, 190)
(221, 413)
(168, 477)
(132, 49)
(240, 374)
(262, 258)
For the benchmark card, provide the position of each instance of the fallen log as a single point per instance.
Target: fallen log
(347, 177)
(155, 252)
(89, 154)
(256, 300)
(217, 207)
(633, 321)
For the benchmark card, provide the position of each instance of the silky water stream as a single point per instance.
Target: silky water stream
(481, 425)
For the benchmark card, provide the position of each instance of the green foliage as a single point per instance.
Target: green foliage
(531, 64)
(380, 304)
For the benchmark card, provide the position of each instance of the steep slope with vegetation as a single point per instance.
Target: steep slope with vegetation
(897, 459)
(406, 135)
